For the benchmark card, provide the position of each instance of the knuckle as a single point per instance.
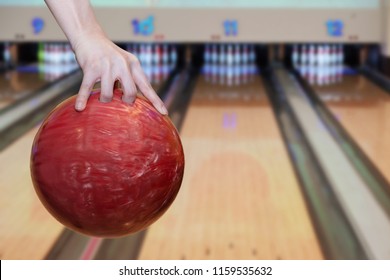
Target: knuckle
(131, 90)
(134, 61)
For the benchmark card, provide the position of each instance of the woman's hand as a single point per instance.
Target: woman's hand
(101, 60)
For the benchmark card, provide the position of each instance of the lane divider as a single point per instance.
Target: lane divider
(91, 248)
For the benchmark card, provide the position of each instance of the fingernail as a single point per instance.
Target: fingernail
(79, 106)
(163, 110)
(128, 100)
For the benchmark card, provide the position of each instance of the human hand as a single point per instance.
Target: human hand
(101, 60)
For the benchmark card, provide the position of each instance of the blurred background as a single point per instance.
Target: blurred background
(283, 108)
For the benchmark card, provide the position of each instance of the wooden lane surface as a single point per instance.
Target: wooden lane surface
(15, 85)
(239, 198)
(363, 109)
(27, 230)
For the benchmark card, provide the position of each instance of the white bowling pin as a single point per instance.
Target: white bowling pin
(252, 54)
(149, 55)
(142, 54)
(230, 55)
(173, 56)
(237, 54)
(245, 54)
(207, 54)
(7, 54)
(157, 54)
(295, 57)
(165, 55)
(214, 54)
(304, 55)
(222, 54)
(312, 56)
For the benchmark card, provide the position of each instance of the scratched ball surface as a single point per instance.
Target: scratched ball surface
(110, 170)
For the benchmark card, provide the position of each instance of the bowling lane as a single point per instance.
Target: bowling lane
(18, 83)
(27, 230)
(239, 198)
(363, 109)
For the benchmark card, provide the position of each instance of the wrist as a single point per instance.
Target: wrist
(85, 35)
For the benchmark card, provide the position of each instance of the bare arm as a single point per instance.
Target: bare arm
(99, 58)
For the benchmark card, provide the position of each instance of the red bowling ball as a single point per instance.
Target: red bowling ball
(110, 170)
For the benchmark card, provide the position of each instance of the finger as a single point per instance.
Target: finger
(84, 92)
(144, 86)
(107, 88)
(128, 87)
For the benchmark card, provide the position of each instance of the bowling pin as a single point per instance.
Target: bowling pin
(304, 55)
(165, 55)
(56, 53)
(229, 56)
(143, 53)
(214, 54)
(156, 54)
(229, 69)
(237, 54)
(245, 54)
(173, 57)
(326, 55)
(312, 57)
(148, 55)
(295, 57)
(207, 54)
(252, 54)
(222, 55)
(7, 54)
(320, 56)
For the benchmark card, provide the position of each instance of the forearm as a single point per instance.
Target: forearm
(76, 19)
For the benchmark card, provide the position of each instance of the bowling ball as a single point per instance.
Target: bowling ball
(110, 170)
